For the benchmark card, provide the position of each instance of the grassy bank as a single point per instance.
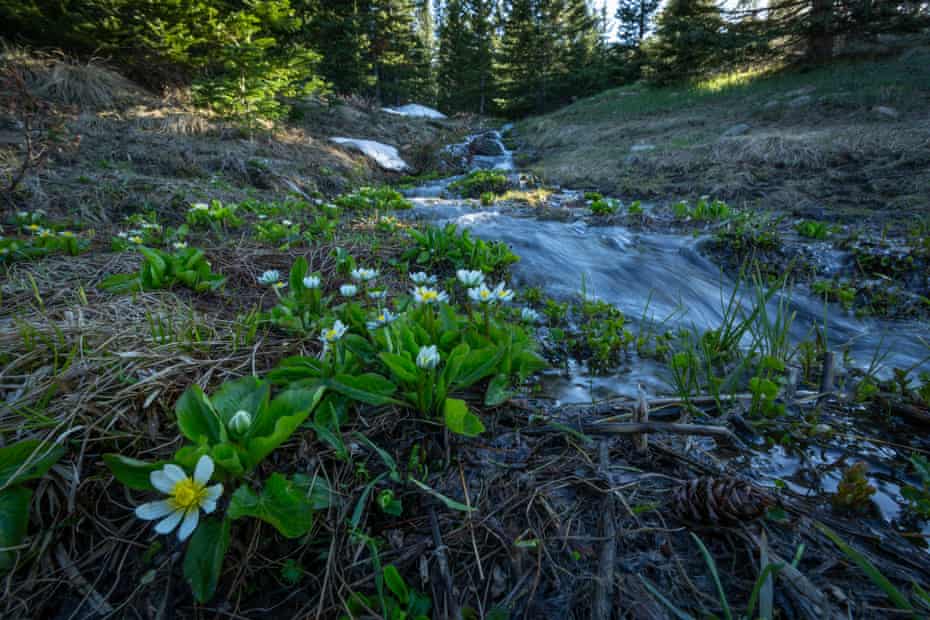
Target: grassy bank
(847, 140)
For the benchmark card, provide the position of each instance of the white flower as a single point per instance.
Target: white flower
(262, 216)
(482, 294)
(23, 214)
(385, 317)
(272, 276)
(187, 496)
(312, 281)
(122, 235)
(428, 357)
(200, 206)
(426, 295)
(420, 277)
(334, 333)
(529, 315)
(501, 293)
(286, 223)
(348, 290)
(470, 278)
(377, 294)
(179, 245)
(364, 275)
(136, 239)
(239, 424)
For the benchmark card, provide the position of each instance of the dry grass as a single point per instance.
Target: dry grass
(67, 81)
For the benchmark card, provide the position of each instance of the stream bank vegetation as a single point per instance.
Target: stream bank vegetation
(349, 422)
(235, 382)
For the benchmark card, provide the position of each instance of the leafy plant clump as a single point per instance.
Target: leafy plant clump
(20, 462)
(164, 270)
(374, 198)
(480, 182)
(213, 215)
(604, 206)
(446, 247)
(812, 229)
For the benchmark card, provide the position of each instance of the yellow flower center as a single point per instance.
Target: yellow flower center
(187, 494)
(485, 294)
(429, 295)
(381, 318)
(331, 334)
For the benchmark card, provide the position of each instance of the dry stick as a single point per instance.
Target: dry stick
(443, 561)
(829, 372)
(603, 594)
(641, 415)
(633, 428)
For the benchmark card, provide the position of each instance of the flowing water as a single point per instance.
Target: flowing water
(665, 278)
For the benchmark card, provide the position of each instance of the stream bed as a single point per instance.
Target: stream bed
(664, 278)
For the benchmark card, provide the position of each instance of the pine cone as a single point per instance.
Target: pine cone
(726, 501)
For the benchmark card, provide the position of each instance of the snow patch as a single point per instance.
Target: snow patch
(384, 155)
(415, 109)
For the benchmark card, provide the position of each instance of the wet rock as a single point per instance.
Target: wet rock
(886, 111)
(771, 105)
(486, 144)
(642, 148)
(800, 102)
(737, 130)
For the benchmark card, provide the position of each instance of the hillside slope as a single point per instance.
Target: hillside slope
(116, 148)
(845, 140)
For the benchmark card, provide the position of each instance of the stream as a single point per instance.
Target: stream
(664, 278)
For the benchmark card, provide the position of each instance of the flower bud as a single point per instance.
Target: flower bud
(239, 424)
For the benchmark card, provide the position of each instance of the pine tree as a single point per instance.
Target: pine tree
(340, 28)
(635, 19)
(521, 59)
(689, 38)
(455, 50)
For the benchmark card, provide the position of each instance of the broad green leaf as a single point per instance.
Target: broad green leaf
(460, 420)
(133, 473)
(401, 366)
(395, 584)
(27, 460)
(298, 271)
(248, 394)
(197, 418)
(282, 504)
(288, 411)
(296, 368)
(454, 362)
(227, 458)
(479, 364)
(369, 388)
(498, 391)
(316, 489)
(14, 520)
(203, 562)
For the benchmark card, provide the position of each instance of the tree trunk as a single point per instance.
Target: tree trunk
(820, 35)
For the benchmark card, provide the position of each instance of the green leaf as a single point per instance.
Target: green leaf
(316, 489)
(894, 595)
(368, 388)
(197, 418)
(448, 501)
(133, 473)
(248, 394)
(401, 366)
(282, 416)
(395, 584)
(14, 520)
(298, 271)
(498, 391)
(27, 460)
(203, 562)
(479, 364)
(296, 368)
(282, 505)
(460, 420)
(227, 458)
